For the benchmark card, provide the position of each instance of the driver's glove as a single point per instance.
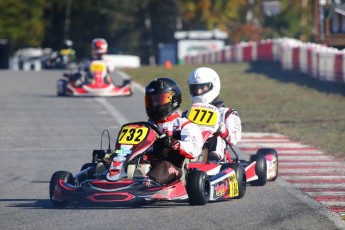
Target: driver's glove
(170, 143)
(222, 131)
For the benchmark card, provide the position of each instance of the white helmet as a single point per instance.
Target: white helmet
(204, 85)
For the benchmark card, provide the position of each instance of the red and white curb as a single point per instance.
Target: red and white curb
(320, 176)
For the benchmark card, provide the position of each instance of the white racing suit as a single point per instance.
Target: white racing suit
(188, 144)
(85, 74)
(233, 131)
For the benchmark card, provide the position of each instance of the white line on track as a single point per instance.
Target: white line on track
(334, 203)
(318, 206)
(334, 193)
(112, 110)
(333, 185)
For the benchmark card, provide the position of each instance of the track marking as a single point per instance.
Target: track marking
(112, 110)
(318, 176)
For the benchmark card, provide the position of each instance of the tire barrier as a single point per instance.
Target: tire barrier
(318, 61)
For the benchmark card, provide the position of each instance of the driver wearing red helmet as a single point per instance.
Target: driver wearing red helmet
(183, 140)
(99, 47)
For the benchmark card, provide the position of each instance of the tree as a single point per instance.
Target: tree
(21, 22)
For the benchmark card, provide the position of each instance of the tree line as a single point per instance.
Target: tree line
(138, 26)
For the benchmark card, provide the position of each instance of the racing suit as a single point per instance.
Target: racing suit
(186, 142)
(229, 131)
(83, 76)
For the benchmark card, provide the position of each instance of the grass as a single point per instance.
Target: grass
(272, 100)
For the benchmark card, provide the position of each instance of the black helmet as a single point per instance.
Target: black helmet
(162, 98)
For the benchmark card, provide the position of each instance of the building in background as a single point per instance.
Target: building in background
(196, 42)
(329, 22)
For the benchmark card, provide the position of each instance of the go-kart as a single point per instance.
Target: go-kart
(96, 84)
(119, 184)
(261, 167)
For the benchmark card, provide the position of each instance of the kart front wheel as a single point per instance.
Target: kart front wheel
(198, 187)
(240, 176)
(59, 175)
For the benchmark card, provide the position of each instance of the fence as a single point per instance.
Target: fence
(318, 61)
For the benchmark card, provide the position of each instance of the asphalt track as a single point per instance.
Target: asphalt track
(41, 133)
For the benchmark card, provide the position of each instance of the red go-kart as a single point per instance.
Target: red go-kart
(261, 167)
(98, 84)
(120, 184)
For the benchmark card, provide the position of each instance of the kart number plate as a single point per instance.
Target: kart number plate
(64, 52)
(233, 186)
(132, 135)
(203, 114)
(97, 66)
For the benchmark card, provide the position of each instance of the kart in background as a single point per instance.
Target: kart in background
(98, 84)
(118, 184)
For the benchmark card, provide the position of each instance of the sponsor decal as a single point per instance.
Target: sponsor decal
(221, 189)
(172, 170)
(233, 185)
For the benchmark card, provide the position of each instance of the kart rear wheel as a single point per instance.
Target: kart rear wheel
(59, 175)
(260, 169)
(240, 176)
(198, 187)
(61, 87)
(267, 151)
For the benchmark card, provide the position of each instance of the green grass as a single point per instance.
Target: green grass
(272, 100)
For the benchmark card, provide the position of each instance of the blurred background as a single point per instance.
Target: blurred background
(150, 28)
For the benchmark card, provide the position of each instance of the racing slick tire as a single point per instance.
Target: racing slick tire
(260, 169)
(240, 176)
(267, 151)
(59, 175)
(198, 187)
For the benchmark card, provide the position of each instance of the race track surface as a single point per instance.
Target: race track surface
(41, 133)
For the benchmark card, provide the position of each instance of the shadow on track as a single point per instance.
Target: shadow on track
(275, 71)
(46, 204)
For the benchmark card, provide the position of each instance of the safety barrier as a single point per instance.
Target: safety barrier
(318, 61)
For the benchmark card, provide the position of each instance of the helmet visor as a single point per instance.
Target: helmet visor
(200, 89)
(152, 101)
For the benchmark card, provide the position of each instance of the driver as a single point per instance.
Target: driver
(183, 140)
(204, 87)
(99, 47)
